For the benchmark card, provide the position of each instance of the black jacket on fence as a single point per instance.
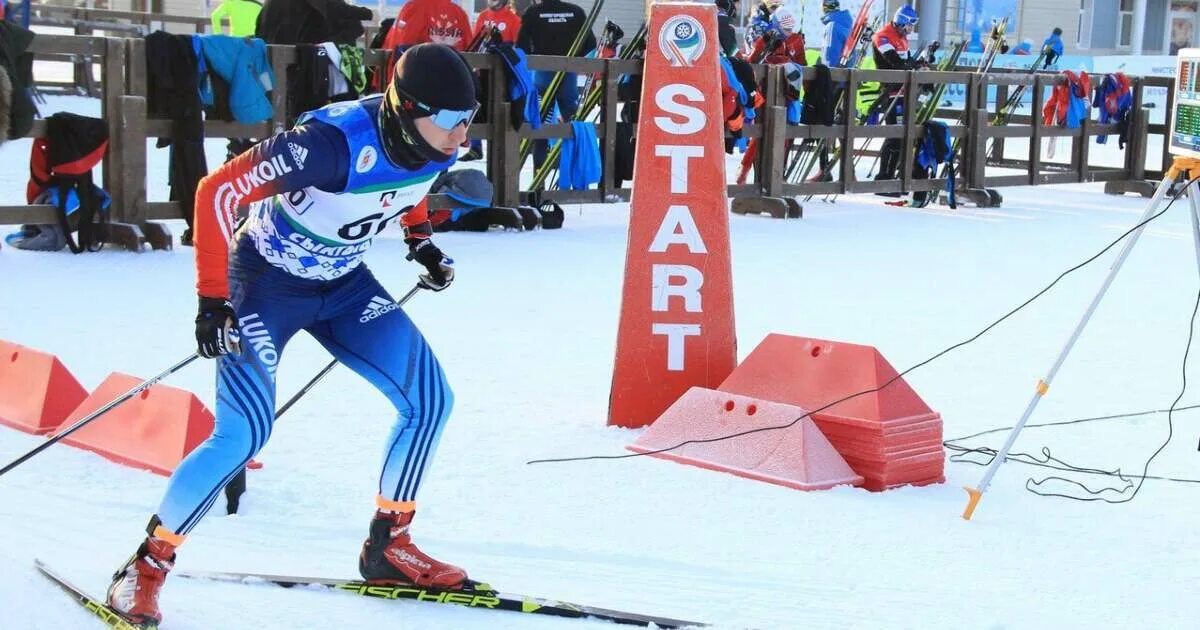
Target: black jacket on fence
(174, 93)
(309, 82)
(550, 26)
(311, 22)
(17, 110)
(818, 98)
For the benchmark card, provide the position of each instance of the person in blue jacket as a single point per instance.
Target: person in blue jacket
(837, 23)
(1053, 46)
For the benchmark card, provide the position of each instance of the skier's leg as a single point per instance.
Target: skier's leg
(376, 339)
(245, 405)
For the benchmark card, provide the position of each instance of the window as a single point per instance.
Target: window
(1125, 34)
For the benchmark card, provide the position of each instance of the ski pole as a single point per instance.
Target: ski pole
(144, 385)
(237, 486)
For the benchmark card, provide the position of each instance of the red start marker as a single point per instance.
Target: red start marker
(676, 327)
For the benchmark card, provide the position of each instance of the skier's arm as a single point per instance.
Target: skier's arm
(418, 215)
(314, 154)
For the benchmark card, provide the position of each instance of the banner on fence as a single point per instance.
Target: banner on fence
(676, 324)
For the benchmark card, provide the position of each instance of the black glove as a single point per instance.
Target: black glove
(424, 252)
(217, 331)
(771, 41)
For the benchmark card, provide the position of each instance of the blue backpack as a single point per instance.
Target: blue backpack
(937, 147)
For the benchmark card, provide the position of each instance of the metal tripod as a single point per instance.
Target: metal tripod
(1190, 168)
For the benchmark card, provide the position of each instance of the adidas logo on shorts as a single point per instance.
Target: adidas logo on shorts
(376, 308)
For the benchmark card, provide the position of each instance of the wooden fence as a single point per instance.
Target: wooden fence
(123, 90)
(104, 21)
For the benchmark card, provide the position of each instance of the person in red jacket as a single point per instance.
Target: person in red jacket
(773, 49)
(425, 21)
(501, 15)
(437, 21)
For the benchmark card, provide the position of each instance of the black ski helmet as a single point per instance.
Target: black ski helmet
(426, 76)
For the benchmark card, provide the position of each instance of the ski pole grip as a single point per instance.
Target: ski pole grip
(973, 500)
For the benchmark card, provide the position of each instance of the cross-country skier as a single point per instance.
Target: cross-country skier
(317, 195)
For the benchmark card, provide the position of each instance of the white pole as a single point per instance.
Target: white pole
(932, 21)
(1139, 27)
(1043, 385)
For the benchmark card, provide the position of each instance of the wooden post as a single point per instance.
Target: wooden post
(978, 150)
(910, 126)
(112, 87)
(509, 148)
(498, 130)
(1135, 144)
(1001, 99)
(846, 161)
(1139, 129)
(1035, 139)
(608, 171)
(83, 63)
(975, 134)
(1080, 148)
(1166, 143)
(136, 81)
(771, 98)
(771, 146)
(281, 57)
(132, 120)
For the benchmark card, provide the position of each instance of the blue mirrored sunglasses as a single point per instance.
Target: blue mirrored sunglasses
(447, 119)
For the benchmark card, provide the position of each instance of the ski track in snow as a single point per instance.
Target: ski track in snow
(526, 336)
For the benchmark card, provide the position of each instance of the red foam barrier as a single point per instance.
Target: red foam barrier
(879, 434)
(797, 457)
(154, 430)
(36, 390)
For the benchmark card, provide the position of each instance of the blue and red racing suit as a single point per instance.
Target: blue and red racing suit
(316, 196)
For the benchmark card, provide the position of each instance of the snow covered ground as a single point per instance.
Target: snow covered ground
(526, 335)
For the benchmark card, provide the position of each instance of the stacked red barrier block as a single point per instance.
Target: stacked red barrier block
(36, 390)
(890, 437)
(154, 430)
